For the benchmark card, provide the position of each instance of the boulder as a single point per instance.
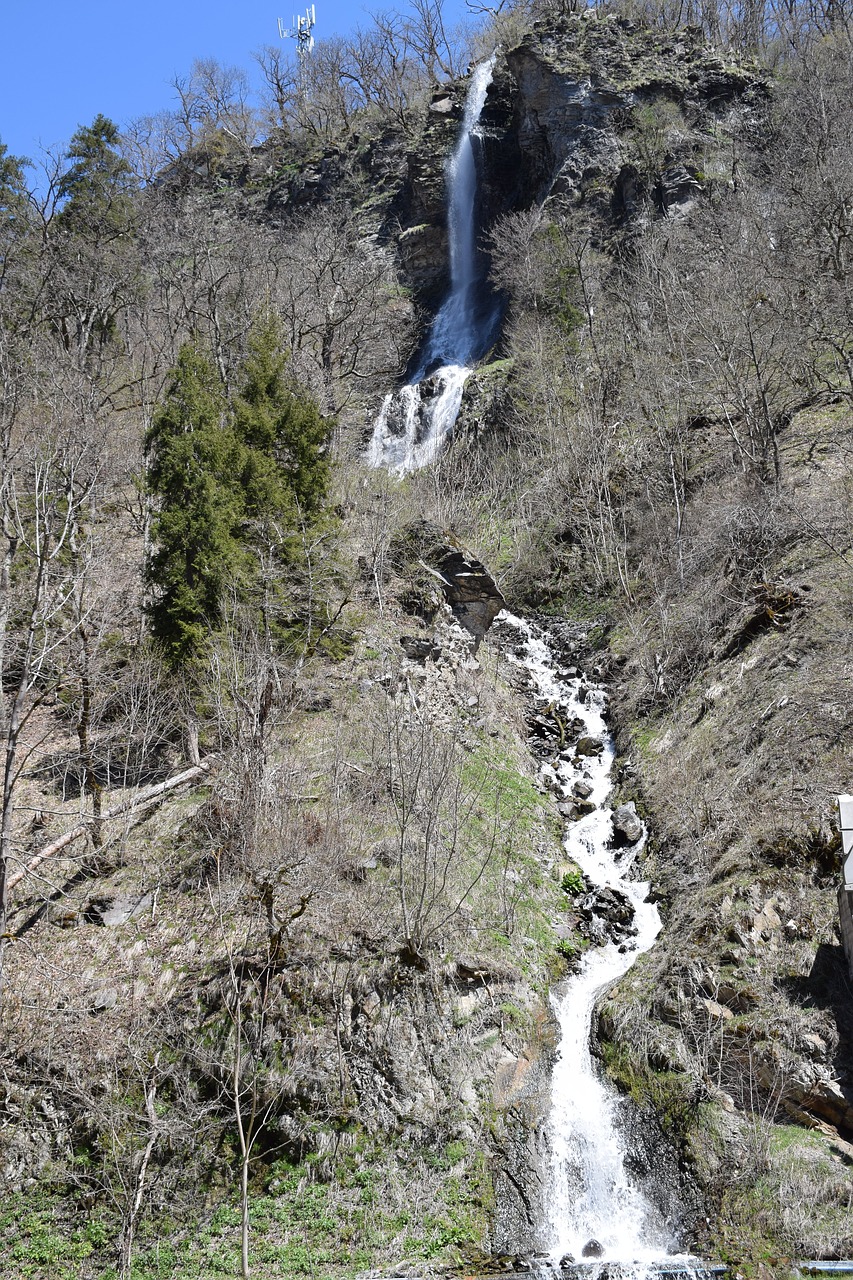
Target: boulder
(469, 589)
(627, 826)
(606, 914)
(471, 592)
(613, 905)
(592, 1249)
(419, 648)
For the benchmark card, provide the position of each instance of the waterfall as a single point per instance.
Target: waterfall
(415, 420)
(591, 1199)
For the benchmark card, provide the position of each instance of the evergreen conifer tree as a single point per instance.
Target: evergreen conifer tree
(238, 489)
(13, 193)
(96, 271)
(194, 457)
(287, 466)
(98, 184)
(284, 480)
(14, 211)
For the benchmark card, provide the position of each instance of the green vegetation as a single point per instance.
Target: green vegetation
(301, 1226)
(236, 489)
(192, 459)
(96, 189)
(572, 882)
(38, 1240)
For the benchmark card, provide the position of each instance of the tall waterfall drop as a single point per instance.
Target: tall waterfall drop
(594, 1209)
(414, 421)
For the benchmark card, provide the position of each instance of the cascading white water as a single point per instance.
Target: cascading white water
(415, 420)
(591, 1196)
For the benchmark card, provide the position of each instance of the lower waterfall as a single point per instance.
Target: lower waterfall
(595, 1213)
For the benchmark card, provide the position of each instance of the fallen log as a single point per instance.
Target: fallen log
(143, 800)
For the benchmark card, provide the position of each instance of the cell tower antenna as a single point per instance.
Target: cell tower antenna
(301, 33)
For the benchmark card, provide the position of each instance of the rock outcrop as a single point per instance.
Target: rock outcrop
(433, 555)
(471, 591)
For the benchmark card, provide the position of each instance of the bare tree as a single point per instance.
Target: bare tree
(443, 844)
(46, 484)
(214, 118)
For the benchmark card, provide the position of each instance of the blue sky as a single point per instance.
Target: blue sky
(62, 64)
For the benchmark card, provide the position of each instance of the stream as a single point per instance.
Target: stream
(594, 1211)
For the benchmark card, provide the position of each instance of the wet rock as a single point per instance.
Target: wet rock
(627, 826)
(587, 746)
(614, 906)
(567, 1260)
(607, 915)
(544, 727)
(592, 1249)
(583, 790)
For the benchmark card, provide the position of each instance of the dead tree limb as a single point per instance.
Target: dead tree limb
(141, 801)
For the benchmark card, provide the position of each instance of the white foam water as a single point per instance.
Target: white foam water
(415, 420)
(591, 1195)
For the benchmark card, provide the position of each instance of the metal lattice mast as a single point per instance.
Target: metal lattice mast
(301, 33)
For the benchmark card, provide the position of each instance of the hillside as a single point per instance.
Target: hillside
(290, 1012)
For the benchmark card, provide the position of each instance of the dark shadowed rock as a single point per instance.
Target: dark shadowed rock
(419, 648)
(471, 592)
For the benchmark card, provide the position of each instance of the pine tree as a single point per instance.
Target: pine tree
(194, 457)
(96, 271)
(14, 215)
(13, 193)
